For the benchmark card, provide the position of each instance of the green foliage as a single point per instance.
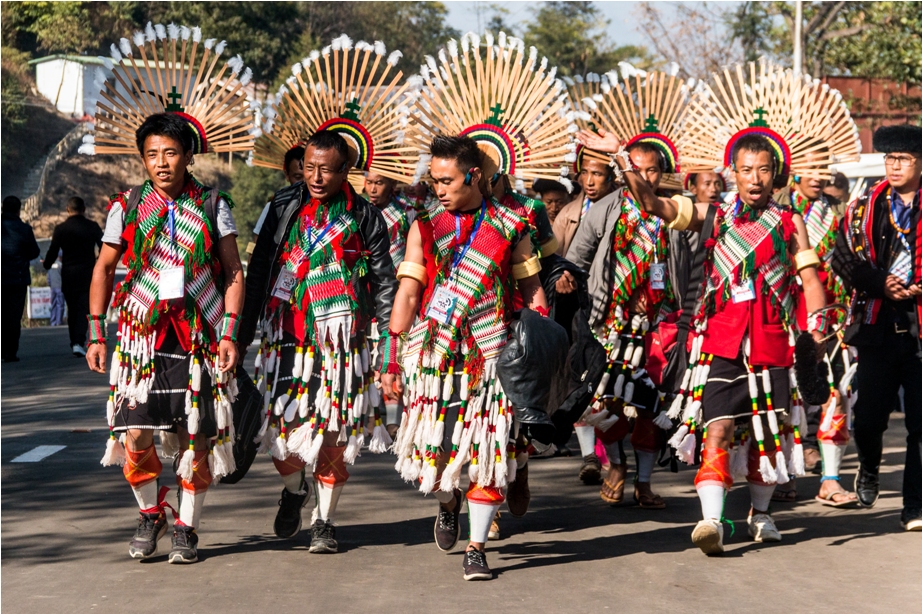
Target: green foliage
(66, 27)
(14, 87)
(572, 36)
(253, 188)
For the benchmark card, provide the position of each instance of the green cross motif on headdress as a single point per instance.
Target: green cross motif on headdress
(759, 121)
(495, 118)
(652, 124)
(352, 110)
(174, 105)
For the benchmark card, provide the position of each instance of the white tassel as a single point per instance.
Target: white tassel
(352, 450)
(781, 468)
(739, 460)
(686, 450)
(169, 444)
(628, 397)
(429, 474)
(279, 448)
(767, 471)
(115, 454)
(185, 465)
(662, 421)
(603, 384)
(676, 440)
(619, 386)
(314, 451)
(608, 422)
(292, 409)
(675, 410)
(212, 467)
(279, 408)
(380, 440)
(797, 459)
(297, 437)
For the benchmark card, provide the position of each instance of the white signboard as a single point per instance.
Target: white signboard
(39, 303)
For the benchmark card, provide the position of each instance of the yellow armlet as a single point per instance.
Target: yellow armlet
(251, 247)
(413, 271)
(549, 247)
(526, 269)
(684, 214)
(805, 258)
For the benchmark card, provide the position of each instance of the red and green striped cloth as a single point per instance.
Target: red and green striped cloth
(822, 226)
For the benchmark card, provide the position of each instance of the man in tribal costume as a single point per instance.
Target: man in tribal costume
(466, 256)
(314, 293)
(322, 272)
(172, 368)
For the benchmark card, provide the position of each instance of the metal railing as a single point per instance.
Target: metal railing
(32, 206)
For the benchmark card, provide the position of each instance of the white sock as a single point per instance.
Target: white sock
(712, 500)
(146, 495)
(294, 483)
(391, 411)
(614, 453)
(327, 499)
(761, 495)
(443, 497)
(190, 507)
(586, 436)
(832, 458)
(480, 516)
(645, 461)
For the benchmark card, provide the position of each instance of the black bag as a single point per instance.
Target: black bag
(587, 360)
(248, 413)
(532, 369)
(677, 359)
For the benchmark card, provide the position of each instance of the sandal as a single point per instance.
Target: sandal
(649, 500)
(613, 492)
(850, 499)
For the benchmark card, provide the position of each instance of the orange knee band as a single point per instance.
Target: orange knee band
(292, 464)
(331, 468)
(142, 466)
(646, 437)
(837, 433)
(488, 495)
(201, 474)
(715, 467)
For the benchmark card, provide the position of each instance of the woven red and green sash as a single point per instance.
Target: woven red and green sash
(535, 213)
(398, 225)
(149, 250)
(750, 242)
(639, 240)
(822, 226)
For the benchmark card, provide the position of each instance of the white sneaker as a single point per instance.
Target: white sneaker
(709, 536)
(762, 528)
(78, 350)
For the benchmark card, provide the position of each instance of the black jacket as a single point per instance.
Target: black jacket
(19, 248)
(264, 263)
(868, 281)
(77, 237)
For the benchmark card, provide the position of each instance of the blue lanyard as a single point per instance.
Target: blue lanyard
(458, 257)
(312, 244)
(171, 219)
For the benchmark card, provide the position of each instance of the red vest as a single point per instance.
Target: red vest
(769, 342)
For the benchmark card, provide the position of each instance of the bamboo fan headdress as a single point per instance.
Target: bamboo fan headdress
(637, 105)
(349, 89)
(806, 123)
(169, 69)
(503, 98)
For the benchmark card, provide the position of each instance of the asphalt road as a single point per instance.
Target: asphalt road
(66, 522)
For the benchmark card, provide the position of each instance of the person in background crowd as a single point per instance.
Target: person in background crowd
(838, 192)
(294, 172)
(553, 194)
(57, 296)
(77, 239)
(19, 247)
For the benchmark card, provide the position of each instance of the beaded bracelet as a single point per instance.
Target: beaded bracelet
(97, 329)
(230, 324)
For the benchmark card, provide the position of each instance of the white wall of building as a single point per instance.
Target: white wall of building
(64, 82)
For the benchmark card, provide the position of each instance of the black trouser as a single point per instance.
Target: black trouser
(881, 371)
(14, 301)
(75, 284)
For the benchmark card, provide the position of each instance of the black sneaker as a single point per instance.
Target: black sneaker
(867, 487)
(323, 538)
(591, 471)
(911, 519)
(185, 541)
(475, 565)
(151, 527)
(288, 518)
(447, 528)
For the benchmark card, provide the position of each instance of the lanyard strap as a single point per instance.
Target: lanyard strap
(171, 221)
(312, 244)
(458, 257)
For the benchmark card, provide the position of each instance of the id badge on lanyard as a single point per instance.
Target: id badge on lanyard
(173, 278)
(284, 284)
(658, 276)
(743, 291)
(442, 304)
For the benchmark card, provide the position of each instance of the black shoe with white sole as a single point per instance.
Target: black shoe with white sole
(911, 519)
(475, 565)
(867, 487)
(447, 528)
(288, 518)
(151, 527)
(323, 538)
(185, 542)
